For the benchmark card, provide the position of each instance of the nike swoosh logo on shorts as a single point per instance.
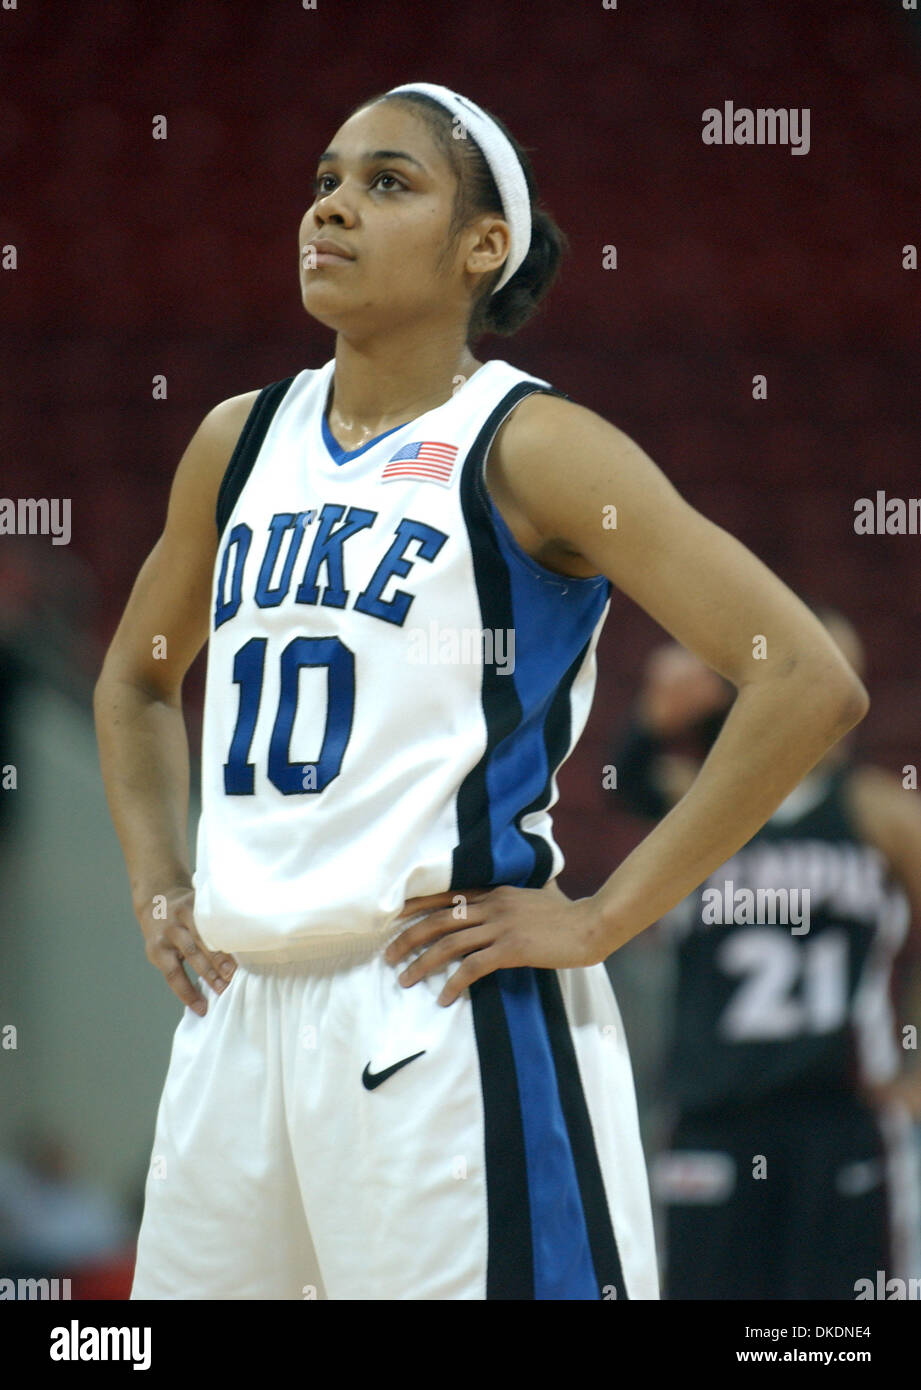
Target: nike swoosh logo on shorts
(372, 1079)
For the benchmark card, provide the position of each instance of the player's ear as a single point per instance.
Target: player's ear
(491, 245)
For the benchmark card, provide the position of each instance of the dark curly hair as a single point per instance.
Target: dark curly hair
(476, 192)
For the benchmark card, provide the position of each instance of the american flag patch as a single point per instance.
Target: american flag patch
(426, 459)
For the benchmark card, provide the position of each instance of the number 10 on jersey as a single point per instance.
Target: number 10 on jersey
(248, 674)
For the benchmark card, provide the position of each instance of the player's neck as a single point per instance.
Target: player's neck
(379, 385)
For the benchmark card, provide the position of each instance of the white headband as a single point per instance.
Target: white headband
(504, 166)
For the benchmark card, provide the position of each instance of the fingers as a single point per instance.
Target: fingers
(504, 927)
(179, 982)
(206, 964)
(448, 948)
(214, 967)
(175, 941)
(414, 905)
(435, 900)
(436, 924)
(471, 969)
(211, 965)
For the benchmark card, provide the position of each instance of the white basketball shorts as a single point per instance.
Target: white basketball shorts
(325, 1132)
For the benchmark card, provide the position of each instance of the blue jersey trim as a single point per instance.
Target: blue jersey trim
(340, 455)
(560, 581)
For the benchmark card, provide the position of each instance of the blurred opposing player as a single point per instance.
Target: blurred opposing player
(791, 1170)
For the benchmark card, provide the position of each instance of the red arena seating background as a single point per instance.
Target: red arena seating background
(139, 257)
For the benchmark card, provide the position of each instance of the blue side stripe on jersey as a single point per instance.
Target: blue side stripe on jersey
(553, 624)
(527, 714)
(562, 1257)
(605, 1254)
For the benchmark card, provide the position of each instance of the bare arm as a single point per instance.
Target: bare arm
(143, 745)
(797, 695)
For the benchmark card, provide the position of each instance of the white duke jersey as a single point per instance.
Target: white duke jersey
(392, 682)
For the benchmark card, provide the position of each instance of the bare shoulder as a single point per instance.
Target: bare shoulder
(545, 453)
(224, 422)
(222, 426)
(203, 464)
(558, 458)
(541, 424)
(172, 592)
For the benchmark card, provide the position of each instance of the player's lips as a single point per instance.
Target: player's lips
(328, 252)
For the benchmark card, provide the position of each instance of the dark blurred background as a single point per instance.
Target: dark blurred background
(138, 258)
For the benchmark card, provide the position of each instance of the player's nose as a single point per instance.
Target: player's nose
(335, 207)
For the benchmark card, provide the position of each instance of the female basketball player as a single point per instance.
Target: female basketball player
(375, 838)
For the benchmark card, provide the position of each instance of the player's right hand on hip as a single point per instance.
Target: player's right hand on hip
(170, 938)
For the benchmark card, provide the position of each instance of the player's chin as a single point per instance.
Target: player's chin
(323, 301)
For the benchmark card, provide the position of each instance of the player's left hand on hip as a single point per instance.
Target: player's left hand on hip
(495, 929)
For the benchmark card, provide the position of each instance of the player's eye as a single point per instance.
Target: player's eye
(320, 186)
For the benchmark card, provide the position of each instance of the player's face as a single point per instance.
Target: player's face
(385, 195)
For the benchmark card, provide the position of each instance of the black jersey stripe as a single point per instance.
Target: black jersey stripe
(510, 1251)
(473, 858)
(603, 1243)
(247, 449)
